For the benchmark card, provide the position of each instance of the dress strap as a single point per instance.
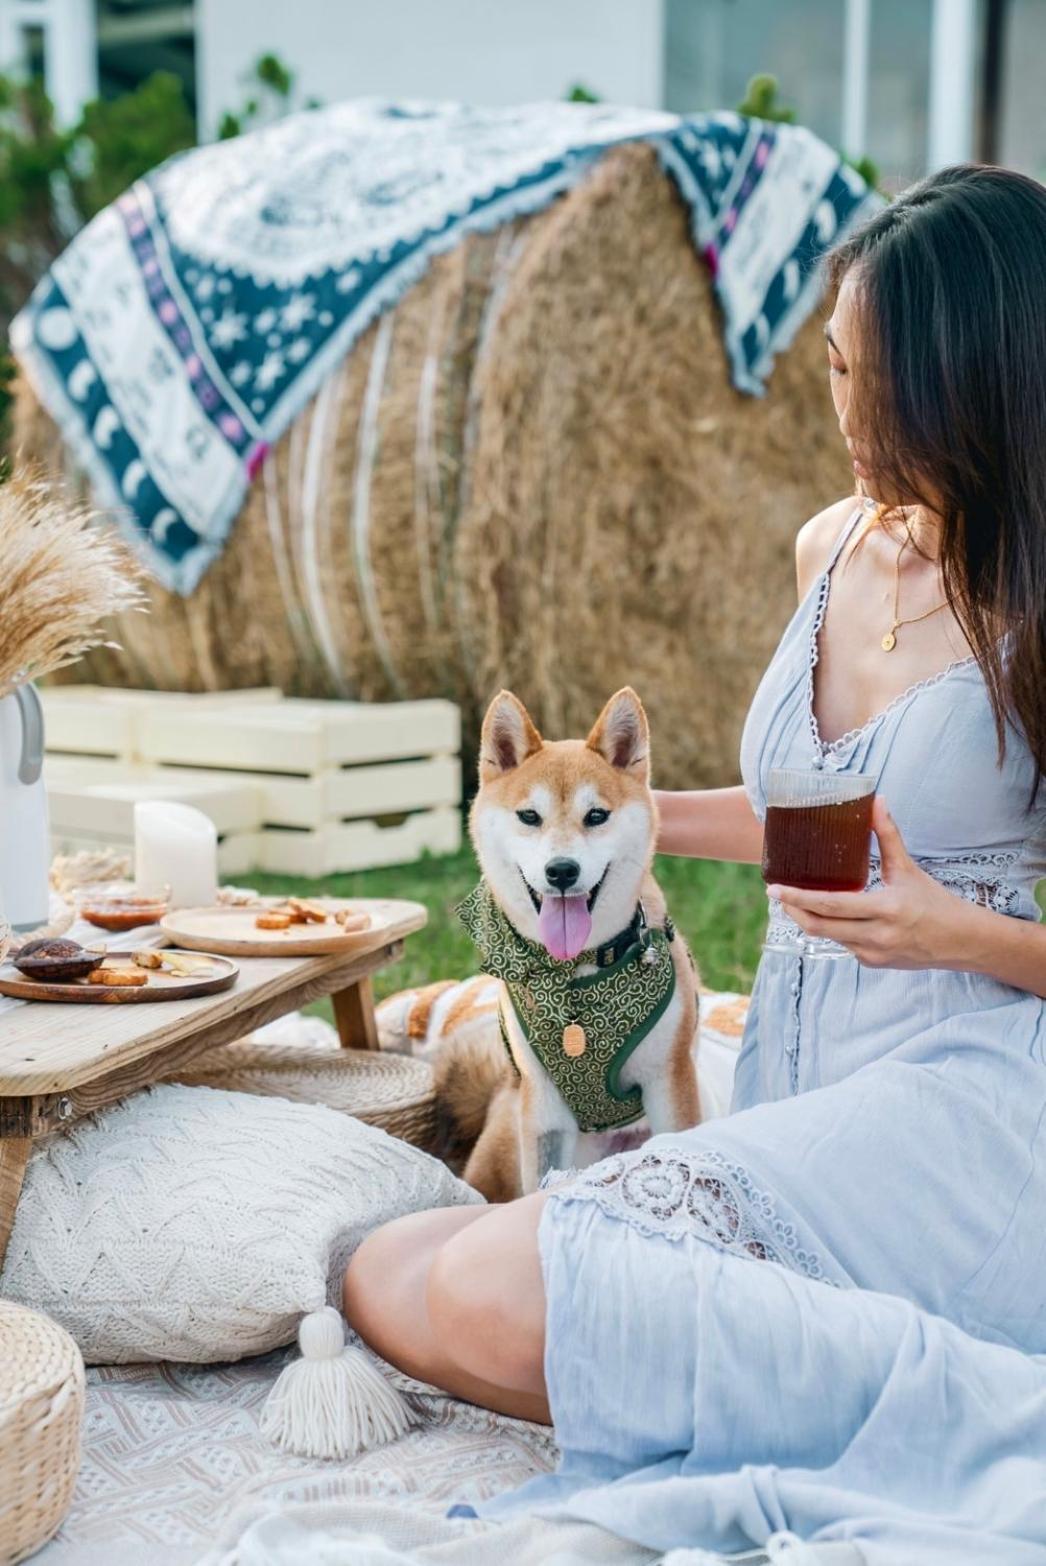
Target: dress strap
(847, 529)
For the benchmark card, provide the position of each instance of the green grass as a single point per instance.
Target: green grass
(720, 908)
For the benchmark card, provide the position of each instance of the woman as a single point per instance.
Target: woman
(889, 1125)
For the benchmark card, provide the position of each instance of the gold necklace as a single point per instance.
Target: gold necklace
(889, 641)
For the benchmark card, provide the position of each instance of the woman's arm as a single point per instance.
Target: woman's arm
(711, 823)
(1011, 950)
(916, 922)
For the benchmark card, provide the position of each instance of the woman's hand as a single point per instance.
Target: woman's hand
(911, 922)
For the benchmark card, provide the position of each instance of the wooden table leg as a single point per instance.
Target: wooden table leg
(14, 1155)
(354, 1016)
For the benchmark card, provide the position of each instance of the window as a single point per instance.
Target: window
(1022, 129)
(714, 47)
(899, 88)
(138, 37)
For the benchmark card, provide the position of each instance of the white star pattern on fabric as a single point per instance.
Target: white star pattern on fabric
(230, 328)
(265, 321)
(298, 309)
(269, 371)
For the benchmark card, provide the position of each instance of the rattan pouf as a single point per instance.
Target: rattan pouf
(394, 1092)
(41, 1408)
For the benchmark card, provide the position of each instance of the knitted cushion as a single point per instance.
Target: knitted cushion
(194, 1224)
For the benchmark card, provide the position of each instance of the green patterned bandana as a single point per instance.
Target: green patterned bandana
(617, 1006)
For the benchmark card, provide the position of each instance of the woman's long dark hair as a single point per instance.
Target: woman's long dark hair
(949, 399)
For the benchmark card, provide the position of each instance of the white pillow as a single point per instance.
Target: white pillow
(191, 1223)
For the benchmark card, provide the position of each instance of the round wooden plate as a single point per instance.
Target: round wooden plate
(234, 932)
(161, 986)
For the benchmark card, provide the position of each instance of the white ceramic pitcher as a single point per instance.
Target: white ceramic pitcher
(25, 844)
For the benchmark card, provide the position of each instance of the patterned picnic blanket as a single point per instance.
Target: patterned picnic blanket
(187, 325)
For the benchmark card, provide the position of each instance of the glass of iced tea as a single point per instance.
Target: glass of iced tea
(818, 836)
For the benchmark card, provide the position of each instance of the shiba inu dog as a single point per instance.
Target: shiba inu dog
(597, 1004)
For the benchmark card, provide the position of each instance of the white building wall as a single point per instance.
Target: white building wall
(478, 51)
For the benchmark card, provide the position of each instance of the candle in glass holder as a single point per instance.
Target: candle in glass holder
(176, 846)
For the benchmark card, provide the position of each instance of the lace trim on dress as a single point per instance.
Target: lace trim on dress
(824, 748)
(671, 1195)
(966, 875)
(795, 1025)
(969, 876)
(913, 690)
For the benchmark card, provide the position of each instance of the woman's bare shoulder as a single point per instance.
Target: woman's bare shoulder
(816, 539)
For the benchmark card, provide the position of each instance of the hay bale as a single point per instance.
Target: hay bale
(532, 472)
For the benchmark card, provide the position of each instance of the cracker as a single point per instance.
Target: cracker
(120, 978)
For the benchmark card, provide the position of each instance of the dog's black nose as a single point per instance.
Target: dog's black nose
(562, 873)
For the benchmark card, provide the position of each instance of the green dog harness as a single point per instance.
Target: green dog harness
(582, 1028)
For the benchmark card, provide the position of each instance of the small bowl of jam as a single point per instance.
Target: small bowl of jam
(125, 910)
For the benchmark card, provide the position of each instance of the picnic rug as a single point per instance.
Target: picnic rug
(189, 323)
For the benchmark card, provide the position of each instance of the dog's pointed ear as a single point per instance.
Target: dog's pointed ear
(508, 737)
(621, 734)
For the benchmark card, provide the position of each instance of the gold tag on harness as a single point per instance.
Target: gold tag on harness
(574, 1040)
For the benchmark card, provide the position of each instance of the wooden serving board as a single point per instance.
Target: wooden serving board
(234, 932)
(161, 986)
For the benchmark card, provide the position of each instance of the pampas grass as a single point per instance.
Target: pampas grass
(62, 574)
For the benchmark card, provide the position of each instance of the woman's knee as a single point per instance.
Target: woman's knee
(393, 1258)
(485, 1298)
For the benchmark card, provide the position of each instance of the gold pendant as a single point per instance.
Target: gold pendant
(574, 1040)
(889, 642)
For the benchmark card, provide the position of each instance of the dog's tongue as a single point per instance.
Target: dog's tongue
(564, 926)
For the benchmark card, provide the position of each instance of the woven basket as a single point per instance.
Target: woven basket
(41, 1408)
(393, 1092)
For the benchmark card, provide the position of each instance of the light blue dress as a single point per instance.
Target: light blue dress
(722, 1357)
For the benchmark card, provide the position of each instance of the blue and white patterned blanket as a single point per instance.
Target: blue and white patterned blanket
(186, 326)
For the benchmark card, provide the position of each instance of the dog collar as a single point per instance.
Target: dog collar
(488, 925)
(632, 935)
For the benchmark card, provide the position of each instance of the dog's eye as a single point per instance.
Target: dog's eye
(596, 816)
(528, 817)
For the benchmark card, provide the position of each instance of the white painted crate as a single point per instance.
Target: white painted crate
(335, 786)
(344, 793)
(303, 737)
(94, 720)
(91, 804)
(360, 845)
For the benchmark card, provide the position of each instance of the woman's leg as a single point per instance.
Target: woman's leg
(455, 1297)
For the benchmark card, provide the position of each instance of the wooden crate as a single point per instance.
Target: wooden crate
(88, 794)
(93, 720)
(91, 804)
(309, 788)
(300, 737)
(360, 845)
(345, 793)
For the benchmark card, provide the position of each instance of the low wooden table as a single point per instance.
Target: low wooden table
(59, 1062)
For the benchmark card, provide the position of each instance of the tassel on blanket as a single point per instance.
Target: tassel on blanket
(332, 1402)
